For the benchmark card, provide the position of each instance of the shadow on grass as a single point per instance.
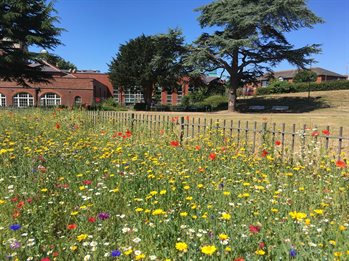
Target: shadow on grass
(295, 104)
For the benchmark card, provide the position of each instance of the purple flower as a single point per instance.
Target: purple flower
(15, 227)
(115, 253)
(15, 245)
(103, 215)
(293, 252)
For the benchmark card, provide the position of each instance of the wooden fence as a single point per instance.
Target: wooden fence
(287, 140)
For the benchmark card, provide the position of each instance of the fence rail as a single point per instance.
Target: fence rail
(287, 140)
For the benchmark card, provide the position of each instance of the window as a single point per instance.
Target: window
(50, 99)
(2, 100)
(116, 95)
(179, 95)
(23, 99)
(265, 83)
(133, 98)
(169, 98)
(77, 101)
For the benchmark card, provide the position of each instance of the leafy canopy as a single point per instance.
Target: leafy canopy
(249, 38)
(305, 76)
(147, 61)
(57, 61)
(25, 23)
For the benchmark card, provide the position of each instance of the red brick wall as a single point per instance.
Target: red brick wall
(66, 88)
(100, 77)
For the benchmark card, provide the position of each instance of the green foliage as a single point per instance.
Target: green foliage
(147, 61)
(250, 38)
(305, 76)
(285, 87)
(57, 61)
(25, 23)
(215, 102)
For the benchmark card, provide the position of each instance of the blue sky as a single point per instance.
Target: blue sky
(96, 28)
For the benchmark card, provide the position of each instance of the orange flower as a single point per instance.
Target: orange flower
(212, 156)
(174, 143)
(341, 164)
(72, 226)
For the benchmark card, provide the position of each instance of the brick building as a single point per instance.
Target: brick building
(323, 75)
(65, 88)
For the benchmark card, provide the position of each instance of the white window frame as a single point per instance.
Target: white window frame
(2, 100)
(23, 99)
(50, 99)
(133, 97)
(77, 103)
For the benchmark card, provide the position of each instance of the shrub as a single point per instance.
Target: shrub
(215, 102)
(285, 87)
(140, 107)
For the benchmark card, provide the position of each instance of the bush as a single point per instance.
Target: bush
(140, 107)
(215, 102)
(285, 87)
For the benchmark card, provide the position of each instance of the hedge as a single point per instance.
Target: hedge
(286, 87)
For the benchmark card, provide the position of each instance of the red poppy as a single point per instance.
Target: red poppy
(239, 259)
(174, 119)
(341, 164)
(162, 132)
(45, 259)
(187, 118)
(174, 143)
(29, 200)
(264, 153)
(98, 99)
(57, 125)
(277, 143)
(128, 133)
(55, 254)
(254, 229)
(197, 147)
(91, 219)
(261, 245)
(72, 226)
(315, 134)
(20, 204)
(326, 132)
(87, 182)
(212, 156)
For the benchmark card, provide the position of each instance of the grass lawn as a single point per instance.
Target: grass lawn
(324, 108)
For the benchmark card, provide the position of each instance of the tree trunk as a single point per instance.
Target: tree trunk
(232, 98)
(148, 95)
(234, 82)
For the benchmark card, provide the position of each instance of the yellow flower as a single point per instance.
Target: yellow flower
(82, 187)
(139, 209)
(260, 252)
(186, 187)
(342, 228)
(73, 248)
(163, 192)
(158, 211)
(81, 237)
(208, 250)
(337, 254)
(128, 252)
(183, 214)
(181, 246)
(226, 216)
(319, 211)
(227, 249)
(332, 242)
(153, 193)
(307, 221)
(226, 193)
(74, 213)
(44, 190)
(223, 237)
(140, 257)
(2, 201)
(298, 215)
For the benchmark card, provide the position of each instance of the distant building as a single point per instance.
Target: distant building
(323, 75)
(65, 88)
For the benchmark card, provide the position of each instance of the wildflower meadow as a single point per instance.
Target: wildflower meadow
(73, 190)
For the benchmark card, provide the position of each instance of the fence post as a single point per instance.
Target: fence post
(132, 120)
(182, 129)
(264, 132)
(340, 140)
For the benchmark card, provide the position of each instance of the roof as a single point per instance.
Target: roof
(288, 74)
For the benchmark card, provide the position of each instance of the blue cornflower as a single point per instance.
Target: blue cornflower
(15, 227)
(115, 253)
(293, 252)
